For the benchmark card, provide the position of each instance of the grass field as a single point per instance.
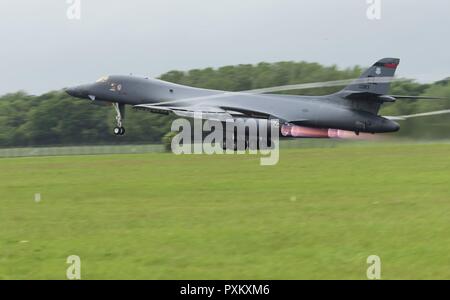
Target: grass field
(318, 214)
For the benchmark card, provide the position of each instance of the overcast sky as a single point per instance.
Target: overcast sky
(41, 49)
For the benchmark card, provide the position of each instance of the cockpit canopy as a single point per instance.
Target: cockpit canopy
(103, 79)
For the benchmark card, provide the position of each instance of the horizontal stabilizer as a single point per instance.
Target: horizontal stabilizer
(385, 98)
(405, 97)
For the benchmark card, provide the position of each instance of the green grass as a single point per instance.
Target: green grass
(318, 214)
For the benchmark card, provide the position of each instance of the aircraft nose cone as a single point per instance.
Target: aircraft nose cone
(80, 91)
(72, 91)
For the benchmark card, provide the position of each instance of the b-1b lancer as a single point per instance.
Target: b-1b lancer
(353, 109)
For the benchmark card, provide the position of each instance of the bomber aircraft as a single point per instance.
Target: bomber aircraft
(353, 109)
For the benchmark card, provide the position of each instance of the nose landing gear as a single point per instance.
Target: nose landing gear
(120, 110)
(119, 130)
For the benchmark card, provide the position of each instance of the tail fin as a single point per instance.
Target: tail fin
(384, 68)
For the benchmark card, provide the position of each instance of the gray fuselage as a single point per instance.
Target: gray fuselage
(331, 111)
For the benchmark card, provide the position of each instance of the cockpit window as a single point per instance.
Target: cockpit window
(115, 87)
(103, 79)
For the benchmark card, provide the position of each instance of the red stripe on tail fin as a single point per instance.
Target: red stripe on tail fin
(391, 66)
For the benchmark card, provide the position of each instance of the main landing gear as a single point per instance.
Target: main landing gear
(120, 110)
(119, 130)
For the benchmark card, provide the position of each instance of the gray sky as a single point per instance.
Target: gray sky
(41, 49)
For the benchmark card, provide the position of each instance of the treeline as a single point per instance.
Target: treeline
(55, 118)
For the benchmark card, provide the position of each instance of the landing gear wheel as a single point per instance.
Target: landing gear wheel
(119, 130)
